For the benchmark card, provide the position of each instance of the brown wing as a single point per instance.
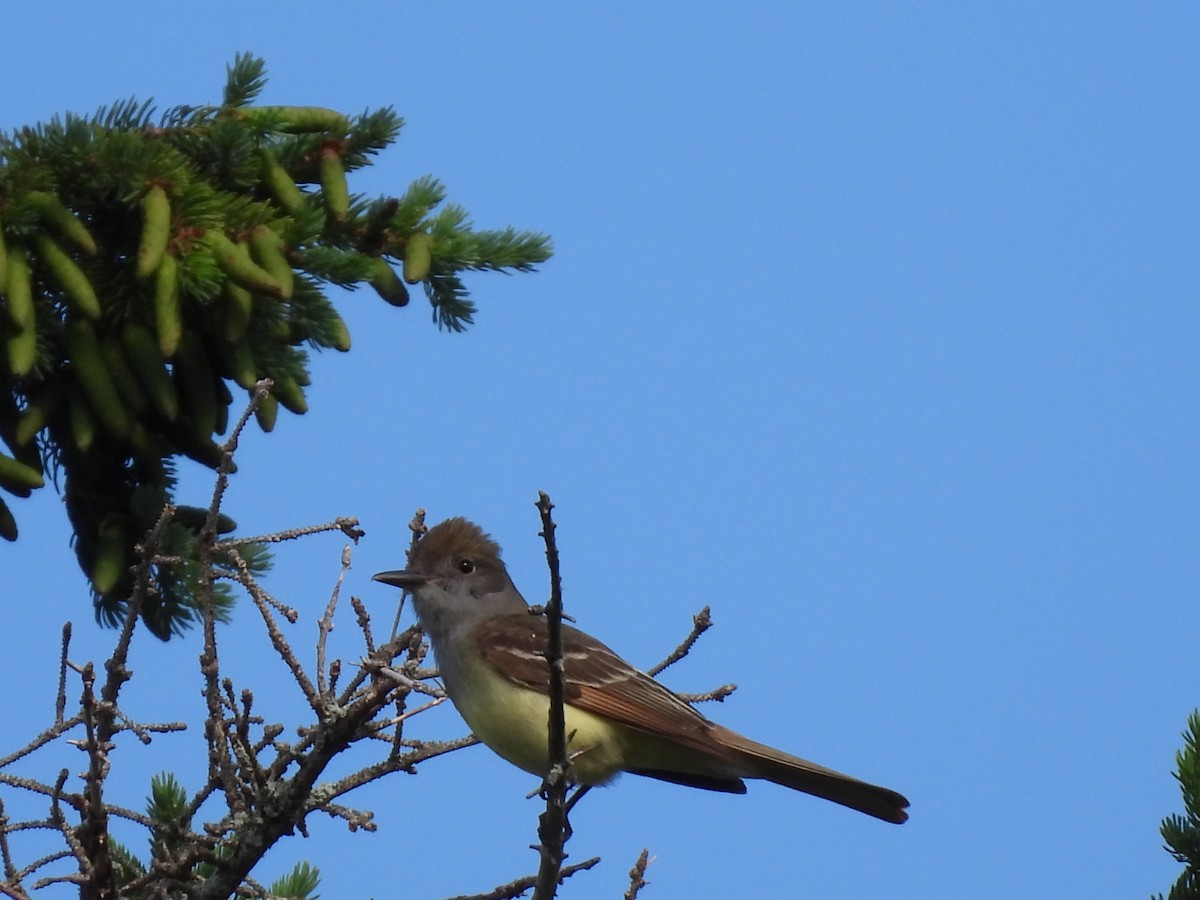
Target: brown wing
(600, 682)
(596, 679)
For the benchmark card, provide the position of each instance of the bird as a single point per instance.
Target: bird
(491, 654)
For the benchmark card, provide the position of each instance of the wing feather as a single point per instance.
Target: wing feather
(596, 679)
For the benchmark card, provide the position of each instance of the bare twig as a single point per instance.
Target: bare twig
(701, 622)
(717, 694)
(553, 829)
(415, 683)
(55, 731)
(396, 723)
(86, 868)
(75, 801)
(284, 649)
(637, 875)
(42, 863)
(261, 389)
(417, 526)
(10, 869)
(257, 592)
(347, 525)
(208, 534)
(220, 766)
(93, 848)
(325, 624)
(379, 661)
(143, 730)
(363, 618)
(60, 701)
(354, 819)
(118, 671)
(14, 892)
(406, 762)
(518, 887)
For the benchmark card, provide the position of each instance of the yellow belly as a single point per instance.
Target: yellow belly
(513, 721)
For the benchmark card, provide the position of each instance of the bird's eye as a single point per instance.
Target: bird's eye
(466, 566)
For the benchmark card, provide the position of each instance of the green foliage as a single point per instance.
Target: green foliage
(167, 803)
(1182, 833)
(245, 80)
(167, 810)
(146, 263)
(300, 884)
(126, 866)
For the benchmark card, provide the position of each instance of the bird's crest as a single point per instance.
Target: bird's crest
(449, 540)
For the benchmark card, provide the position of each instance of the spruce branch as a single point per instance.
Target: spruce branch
(245, 79)
(1182, 832)
(149, 266)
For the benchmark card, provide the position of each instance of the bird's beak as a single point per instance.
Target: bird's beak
(402, 579)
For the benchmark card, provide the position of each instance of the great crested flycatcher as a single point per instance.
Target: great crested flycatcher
(491, 653)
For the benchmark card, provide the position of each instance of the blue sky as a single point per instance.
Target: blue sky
(871, 325)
